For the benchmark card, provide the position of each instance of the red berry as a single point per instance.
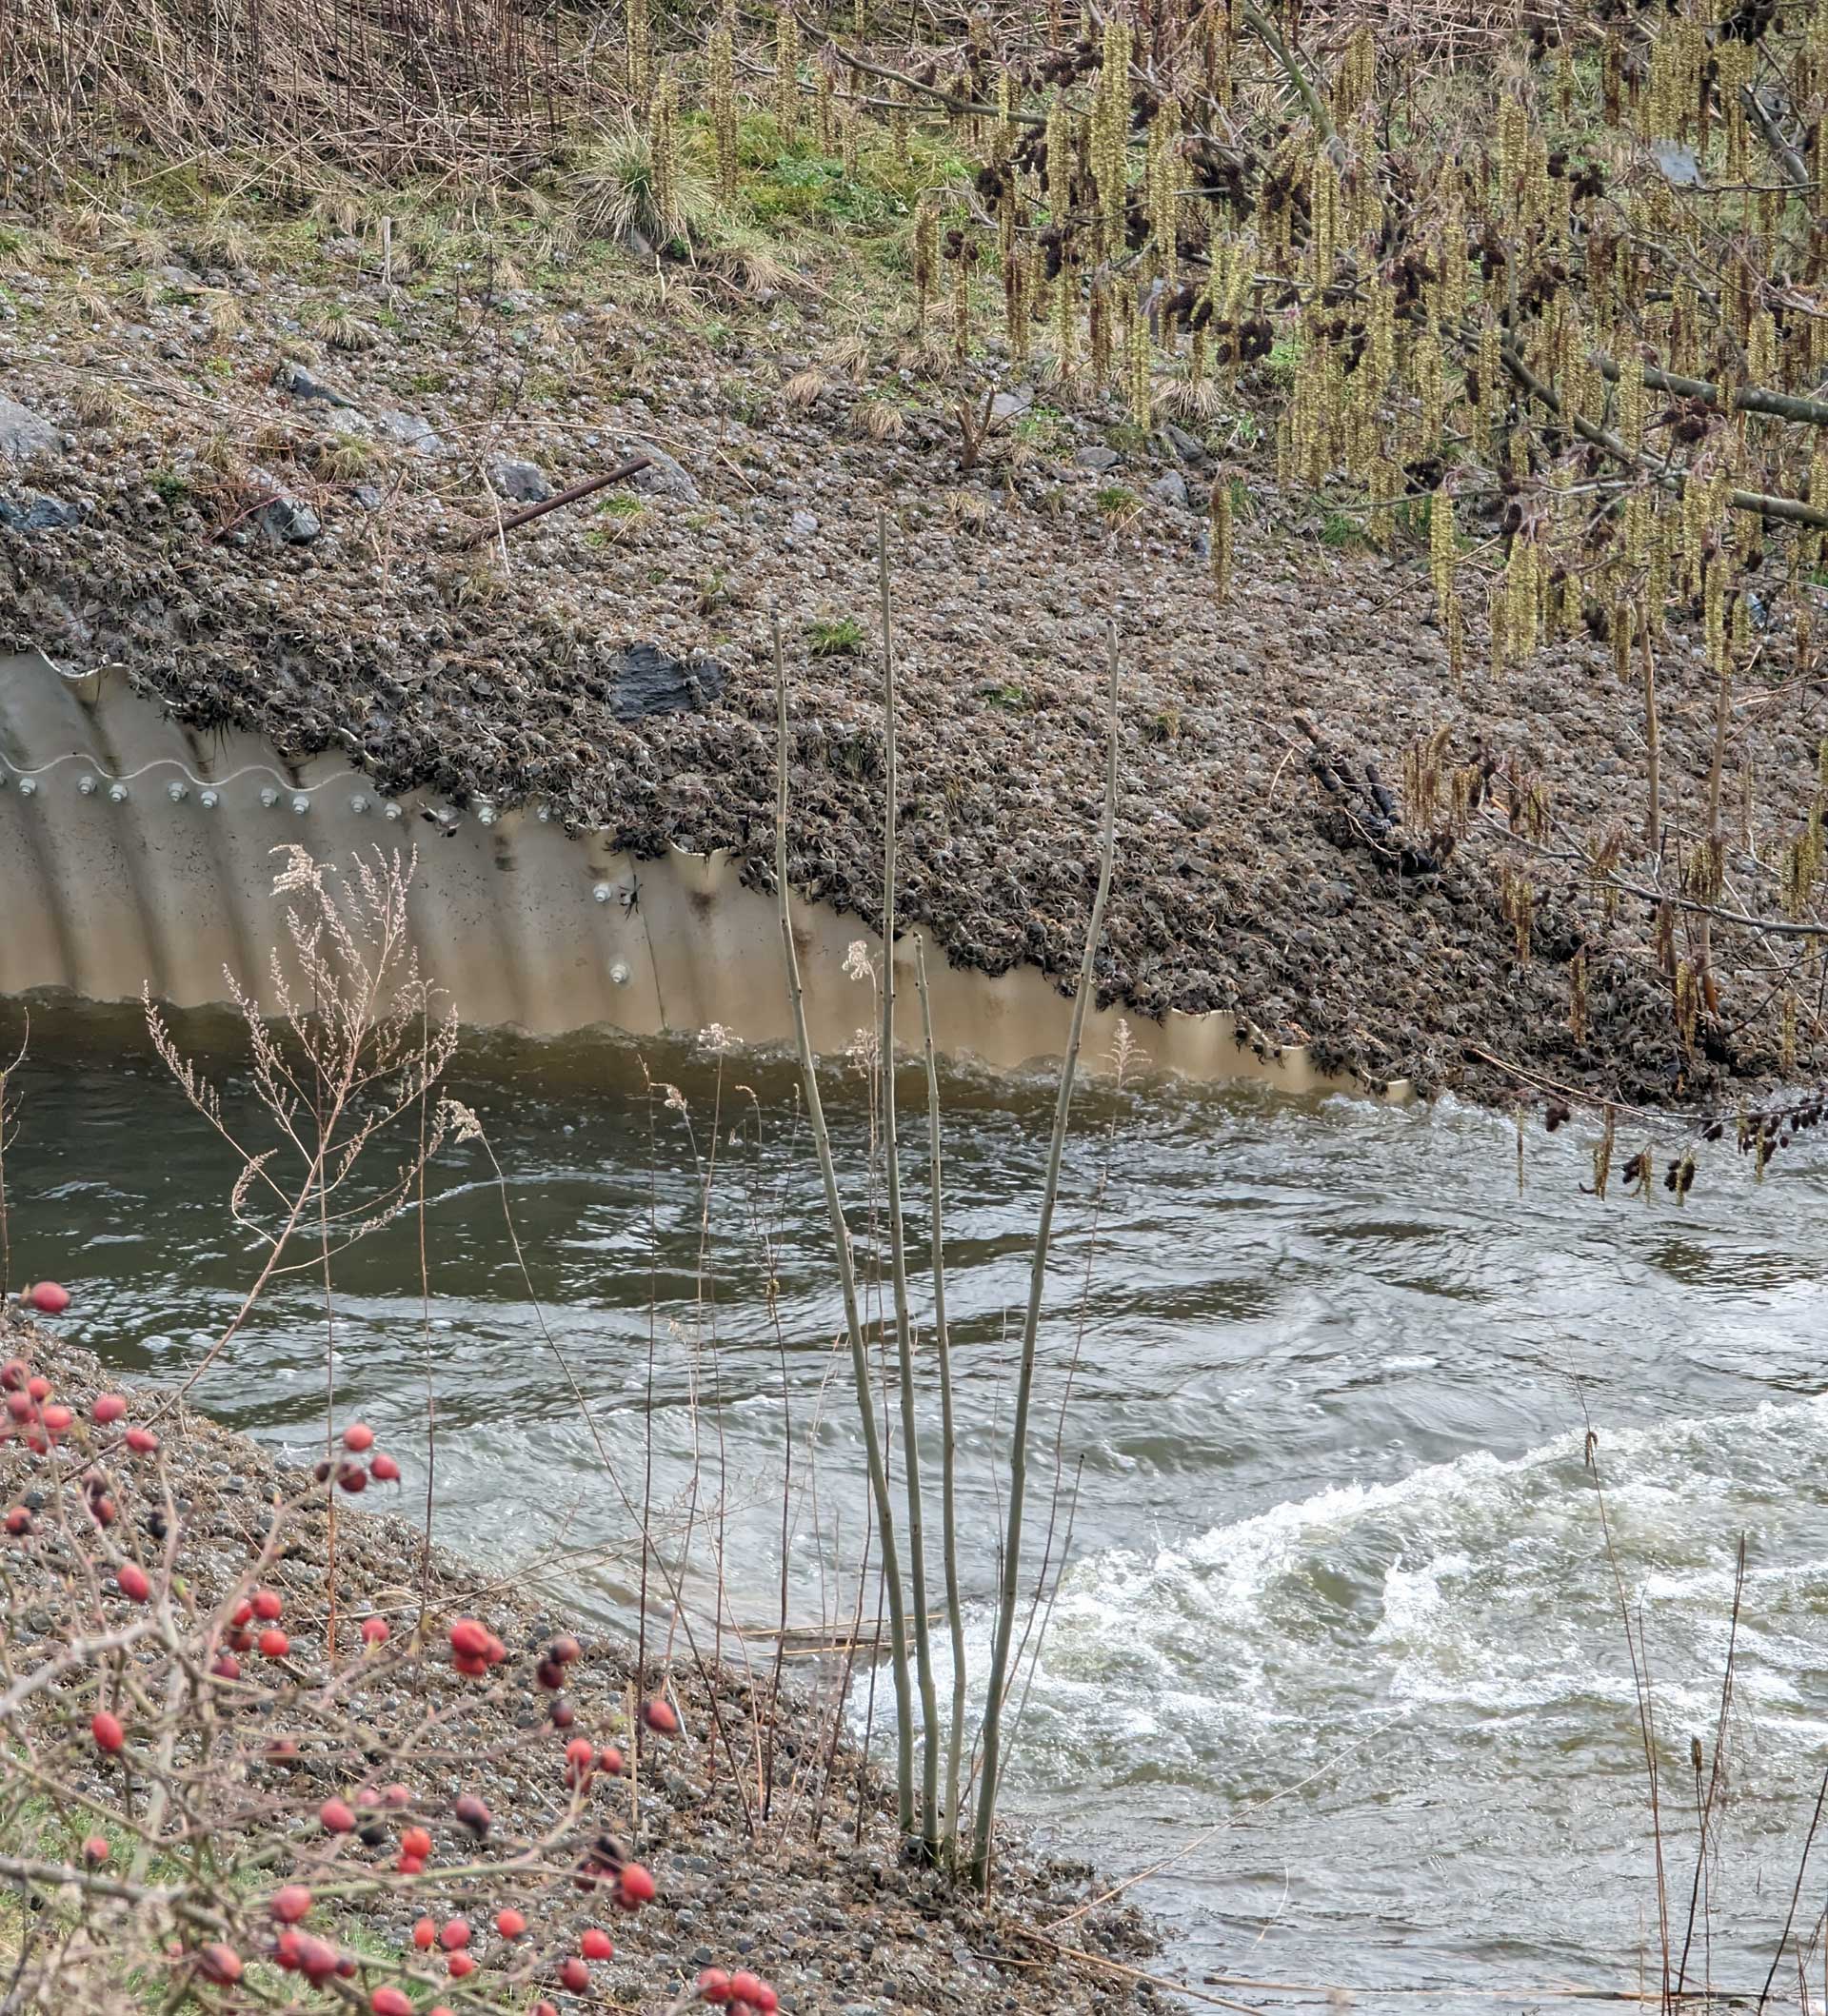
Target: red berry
(226, 1666)
(384, 1469)
(274, 1643)
(352, 1477)
(469, 1640)
(460, 1964)
(336, 1817)
(267, 1604)
(219, 1962)
(415, 1841)
(358, 1436)
(375, 1631)
(241, 1641)
(596, 1944)
(659, 1716)
(48, 1299)
(141, 1441)
(542, 2009)
(389, 2002)
(290, 1904)
(765, 1999)
(714, 1986)
(574, 1974)
(57, 1420)
(131, 1577)
(565, 1649)
(611, 1762)
(550, 1674)
(634, 1886)
(564, 1715)
(425, 1934)
(109, 1407)
(454, 1934)
(743, 1988)
(242, 1613)
(495, 1652)
(18, 1520)
(411, 1864)
(106, 1731)
(509, 1923)
(396, 1796)
(578, 1755)
(473, 1813)
(20, 1406)
(12, 1375)
(38, 1387)
(475, 1668)
(96, 1849)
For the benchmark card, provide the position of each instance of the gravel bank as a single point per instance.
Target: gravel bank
(840, 1924)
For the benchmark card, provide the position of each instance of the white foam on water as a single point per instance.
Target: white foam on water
(1476, 1587)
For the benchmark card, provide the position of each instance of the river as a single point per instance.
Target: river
(1338, 1631)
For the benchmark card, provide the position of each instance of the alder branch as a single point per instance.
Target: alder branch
(1789, 509)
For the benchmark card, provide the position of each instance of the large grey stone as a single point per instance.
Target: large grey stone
(20, 513)
(409, 431)
(1171, 489)
(519, 481)
(23, 433)
(651, 680)
(662, 476)
(288, 521)
(1100, 459)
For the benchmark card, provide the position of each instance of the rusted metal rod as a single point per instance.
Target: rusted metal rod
(576, 494)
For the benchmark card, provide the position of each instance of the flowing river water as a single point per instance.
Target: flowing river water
(1338, 1631)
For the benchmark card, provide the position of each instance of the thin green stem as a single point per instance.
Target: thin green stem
(949, 1440)
(1009, 1592)
(891, 1569)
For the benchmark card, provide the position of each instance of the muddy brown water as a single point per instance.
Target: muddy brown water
(1338, 1629)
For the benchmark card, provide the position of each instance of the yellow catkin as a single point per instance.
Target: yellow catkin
(1221, 516)
(1164, 188)
(1142, 392)
(1110, 135)
(786, 74)
(926, 254)
(662, 153)
(1631, 402)
(1060, 160)
(639, 40)
(723, 95)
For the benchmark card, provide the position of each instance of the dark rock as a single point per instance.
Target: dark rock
(23, 434)
(39, 514)
(1096, 457)
(1171, 489)
(651, 680)
(1184, 445)
(519, 481)
(293, 378)
(288, 521)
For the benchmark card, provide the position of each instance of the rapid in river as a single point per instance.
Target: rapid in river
(1340, 1641)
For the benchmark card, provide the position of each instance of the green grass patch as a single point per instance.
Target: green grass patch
(834, 636)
